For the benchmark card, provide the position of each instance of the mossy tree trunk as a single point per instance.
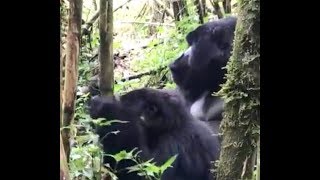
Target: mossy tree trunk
(241, 124)
(106, 50)
(71, 69)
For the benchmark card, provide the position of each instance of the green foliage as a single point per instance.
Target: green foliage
(150, 170)
(85, 155)
(85, 161)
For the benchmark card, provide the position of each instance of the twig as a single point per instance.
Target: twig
(121, 6)
(142, 11)
(152, 72)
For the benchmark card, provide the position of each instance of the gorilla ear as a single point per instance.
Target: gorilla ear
(191, 37)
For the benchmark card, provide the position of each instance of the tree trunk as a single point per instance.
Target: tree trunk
(64, 171)
(183, 8)
(216, 8)
(71, 69)
(199, 7)
(167, 4)
(258, 161)
(176, 10)
(179, 9)
(241, 124)
(156, 16)
(227, 6)
(94, 3)
(61, 82)
(106, 51)
(204, 8)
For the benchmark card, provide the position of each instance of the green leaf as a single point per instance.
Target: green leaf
(168, 163)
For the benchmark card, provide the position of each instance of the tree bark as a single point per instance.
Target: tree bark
(258, 161)
(176, 10)
(179, 9)
(94, 3)
(241, 124)
(216, 8)
(227, 6)
(156, 16)
(204, 7)
(183, 8)
(71, 69)
(61, 82)
(165, 8)
(106, 51)
(199, 7)
(64, 170)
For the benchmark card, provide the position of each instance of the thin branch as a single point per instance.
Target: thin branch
(148, 23)
(152, 72)
(121, 6)
(85, 29)
(165, 9)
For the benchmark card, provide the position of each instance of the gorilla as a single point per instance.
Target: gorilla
(161, 127)
(199, 71)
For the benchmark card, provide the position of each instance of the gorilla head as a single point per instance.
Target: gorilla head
(161, 127)
(199, 68)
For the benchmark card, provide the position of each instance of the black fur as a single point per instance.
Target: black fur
(199, 72)
(126, 139)
(161, 127)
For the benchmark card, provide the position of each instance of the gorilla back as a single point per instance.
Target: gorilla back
(165, 128)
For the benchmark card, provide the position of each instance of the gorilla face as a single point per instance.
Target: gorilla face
(151, 107)
(199, 68)
(154, 108)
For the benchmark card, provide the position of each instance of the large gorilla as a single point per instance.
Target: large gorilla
(199, 72)
(161, 127)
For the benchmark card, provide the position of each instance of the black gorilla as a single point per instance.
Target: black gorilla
(161, 127)
(199, 72)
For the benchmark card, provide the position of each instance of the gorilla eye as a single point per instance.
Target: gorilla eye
(152, 110)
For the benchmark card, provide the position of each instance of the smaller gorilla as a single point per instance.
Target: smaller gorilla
(199, 72)
(161, 127)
